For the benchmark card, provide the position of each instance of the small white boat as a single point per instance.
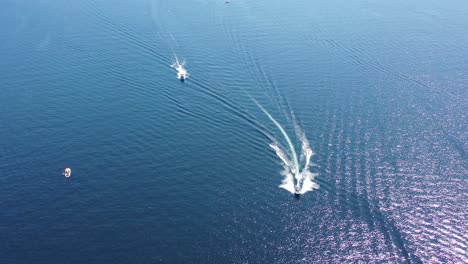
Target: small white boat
(297, 191)
(182, 73)
(182, 76)
(67, 173)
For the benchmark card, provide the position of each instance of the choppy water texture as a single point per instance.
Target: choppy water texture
(170, 171)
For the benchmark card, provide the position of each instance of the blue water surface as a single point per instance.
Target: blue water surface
(165, 171)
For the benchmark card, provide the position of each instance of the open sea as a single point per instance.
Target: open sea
(362, 103)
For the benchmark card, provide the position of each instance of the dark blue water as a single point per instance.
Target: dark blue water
(165, 171)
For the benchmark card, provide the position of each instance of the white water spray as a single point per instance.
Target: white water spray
(180, 68)
(293, 175)
(308, 177)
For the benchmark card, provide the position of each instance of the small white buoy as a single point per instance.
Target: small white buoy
(67, 173)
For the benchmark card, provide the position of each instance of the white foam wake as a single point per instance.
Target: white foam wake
(180, 68)
(307, 176)
(294, 175)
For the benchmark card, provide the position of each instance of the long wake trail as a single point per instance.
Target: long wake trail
(291, 146)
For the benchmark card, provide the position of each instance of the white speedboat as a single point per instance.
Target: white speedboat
(182, 76)
(297, 191)
(67, 173)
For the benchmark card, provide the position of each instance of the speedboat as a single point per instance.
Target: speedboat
(67, 173)
(181, 76)
(297, 191)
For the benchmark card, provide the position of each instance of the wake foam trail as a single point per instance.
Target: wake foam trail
(308, 177)
(293, 175)
(180, 68)
(288, 182)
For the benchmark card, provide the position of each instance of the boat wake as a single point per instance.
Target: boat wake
(295, 175)
(182, 73)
